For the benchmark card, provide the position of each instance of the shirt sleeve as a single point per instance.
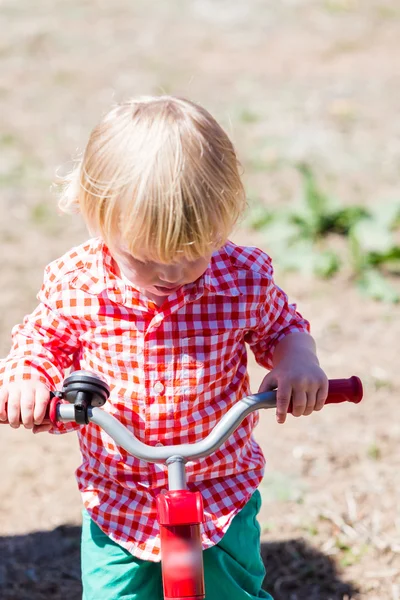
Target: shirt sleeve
(43, 345)
(277, 318)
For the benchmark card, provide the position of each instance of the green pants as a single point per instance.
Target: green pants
(233, 569)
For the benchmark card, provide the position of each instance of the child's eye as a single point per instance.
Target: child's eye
(138, 261)
(133, 259)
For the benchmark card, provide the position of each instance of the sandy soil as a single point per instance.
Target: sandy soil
(311, 80)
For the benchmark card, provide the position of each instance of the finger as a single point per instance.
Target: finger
(42, 397)
(299, 399)
(3, 404)
(283, 396)
(322, 395)
(13, 408)
(27, 407)
(268, 383)
(41, 428)
(311, 398)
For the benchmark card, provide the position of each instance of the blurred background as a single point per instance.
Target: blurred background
(309, 92)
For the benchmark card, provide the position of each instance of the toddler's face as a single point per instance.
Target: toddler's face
(157, 279)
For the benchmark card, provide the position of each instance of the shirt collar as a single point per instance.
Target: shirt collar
(97, 273)
(220, 278)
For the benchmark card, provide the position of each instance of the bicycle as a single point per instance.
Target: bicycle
(180, 512)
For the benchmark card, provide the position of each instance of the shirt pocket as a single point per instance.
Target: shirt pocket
(205, 357)
(208, 365)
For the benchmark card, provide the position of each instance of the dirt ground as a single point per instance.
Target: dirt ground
(314, 80)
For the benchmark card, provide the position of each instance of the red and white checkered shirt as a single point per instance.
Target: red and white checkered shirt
(173, 371)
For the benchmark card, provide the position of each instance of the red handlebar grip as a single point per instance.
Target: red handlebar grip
(345, 390)
(50, 415)
(51, 411)
(342, 390)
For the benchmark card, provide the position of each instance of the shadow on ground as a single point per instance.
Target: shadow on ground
(297, 571)
(45, 565)
(41, 566)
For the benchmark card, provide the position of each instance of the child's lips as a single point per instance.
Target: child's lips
(167, 289)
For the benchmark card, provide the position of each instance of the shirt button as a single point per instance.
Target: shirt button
(158, 387)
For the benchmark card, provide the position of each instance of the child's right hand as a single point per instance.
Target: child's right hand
(25, 401)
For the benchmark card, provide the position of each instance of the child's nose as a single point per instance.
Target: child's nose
(171, 274)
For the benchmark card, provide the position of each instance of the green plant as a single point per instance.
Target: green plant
(319, 213)
(374, 452)
(375, 252)
(300, 237)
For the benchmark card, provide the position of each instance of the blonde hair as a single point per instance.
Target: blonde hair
(161, 176)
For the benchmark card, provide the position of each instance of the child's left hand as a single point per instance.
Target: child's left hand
(298, 377)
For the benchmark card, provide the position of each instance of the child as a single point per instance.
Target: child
(160, 304)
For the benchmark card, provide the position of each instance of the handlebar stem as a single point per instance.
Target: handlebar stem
(176, 473)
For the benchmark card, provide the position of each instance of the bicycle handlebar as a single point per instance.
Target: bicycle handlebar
(340, 390)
